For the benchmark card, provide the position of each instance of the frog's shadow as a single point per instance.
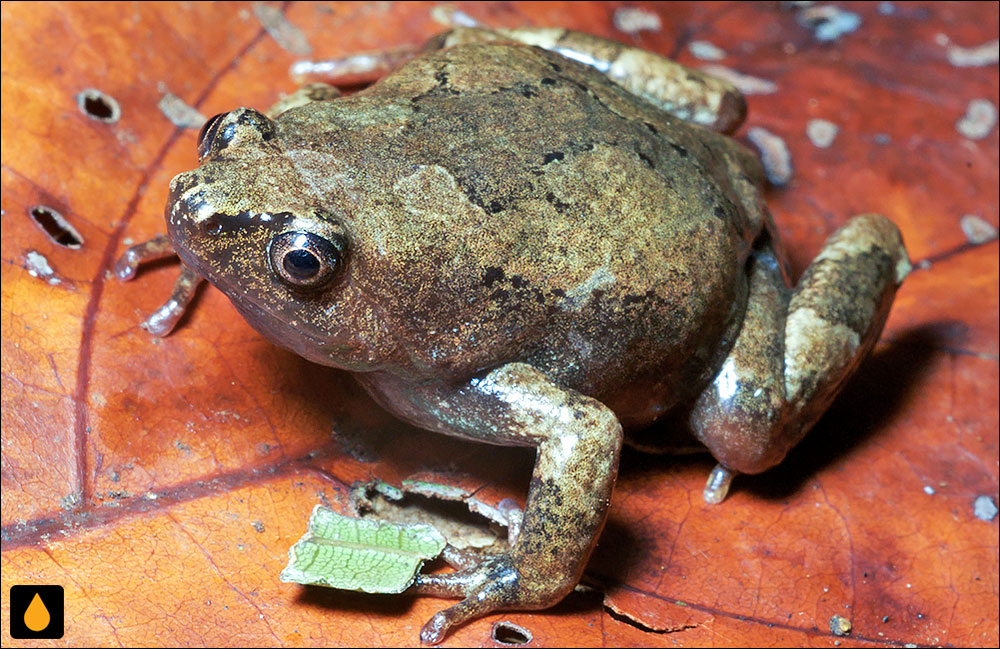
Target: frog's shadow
(876, 395)
(881, 388)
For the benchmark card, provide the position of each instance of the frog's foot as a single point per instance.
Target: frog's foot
(796, 349)
(579, 442)
(493, 584)
(164, 319)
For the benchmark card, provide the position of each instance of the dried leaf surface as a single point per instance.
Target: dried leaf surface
(161, 482)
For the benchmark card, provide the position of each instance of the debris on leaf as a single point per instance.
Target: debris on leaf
(821, 132)
(745, 83)
(774, 154)
(828, 22)
(984, 508)
(455, 511)
(977, 230)
(706, 51)
(632, 20)
(285, 34)
(366, 555)
(179, 112)
(979, 119)
(38, 266)
(840, 626)
(967, 57)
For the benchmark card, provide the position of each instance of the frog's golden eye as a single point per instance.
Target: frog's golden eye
(305, 260)
(207, 134)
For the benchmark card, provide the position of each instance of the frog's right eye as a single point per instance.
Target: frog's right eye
(207, 134)
(305, 260)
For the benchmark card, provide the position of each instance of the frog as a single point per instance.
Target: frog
(531, 237)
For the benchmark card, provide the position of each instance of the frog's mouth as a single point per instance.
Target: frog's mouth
(298, 339)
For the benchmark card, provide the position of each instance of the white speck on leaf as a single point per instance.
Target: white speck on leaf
(977, 230)
(706, 51)
(828, 22)
(450, 16)
(632, 20)
(284, 33)
(774, 154)
(979, 119)
(821, 132)
(969, 57)
(984, 508)
(180, 112)
(748, 85)
(38, 266)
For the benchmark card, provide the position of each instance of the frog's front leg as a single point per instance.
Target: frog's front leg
(165, 318)
(684, 92)
(578, 441)
(797, 348)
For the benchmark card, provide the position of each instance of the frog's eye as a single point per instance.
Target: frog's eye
(240, 127)
(305, 260)
(207, 134)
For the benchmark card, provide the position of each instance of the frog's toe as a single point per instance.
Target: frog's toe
(163, 320)
(461, 559)
(515, 516)
(717, 485)
(156, 248)
(493, 584)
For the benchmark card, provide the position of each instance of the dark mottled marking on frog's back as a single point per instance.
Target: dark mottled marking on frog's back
(592, 212)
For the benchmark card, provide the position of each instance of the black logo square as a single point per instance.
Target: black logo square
(36, 612)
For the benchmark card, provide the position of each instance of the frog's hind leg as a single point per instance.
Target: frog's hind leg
(352, 70)
(684, 92)
(305, 95)
(796, 350)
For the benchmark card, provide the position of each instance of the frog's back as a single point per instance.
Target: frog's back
(508, 204)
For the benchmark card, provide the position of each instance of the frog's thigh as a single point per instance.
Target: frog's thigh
(578, 441)
(684, 92)
(739, 415)
(787, 366)
(837, 312)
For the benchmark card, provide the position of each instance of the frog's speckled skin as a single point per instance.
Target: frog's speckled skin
(531, 254)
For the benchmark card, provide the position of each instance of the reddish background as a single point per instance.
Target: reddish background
(162, 481)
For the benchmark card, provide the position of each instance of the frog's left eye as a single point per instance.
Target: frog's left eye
(207, 134)
(240, 127)
(305, 260)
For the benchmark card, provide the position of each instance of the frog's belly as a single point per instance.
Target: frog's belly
(644, 358)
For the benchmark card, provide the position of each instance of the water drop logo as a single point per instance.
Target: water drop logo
(36, 612)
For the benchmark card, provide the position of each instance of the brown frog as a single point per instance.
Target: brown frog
(531, 237)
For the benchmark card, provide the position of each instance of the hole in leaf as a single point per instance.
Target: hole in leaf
(56, 227)
(510, 634)
(97, 105)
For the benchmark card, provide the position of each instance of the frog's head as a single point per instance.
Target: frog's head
(247, 221)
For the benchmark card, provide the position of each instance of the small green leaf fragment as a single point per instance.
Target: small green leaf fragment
(361, 554)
